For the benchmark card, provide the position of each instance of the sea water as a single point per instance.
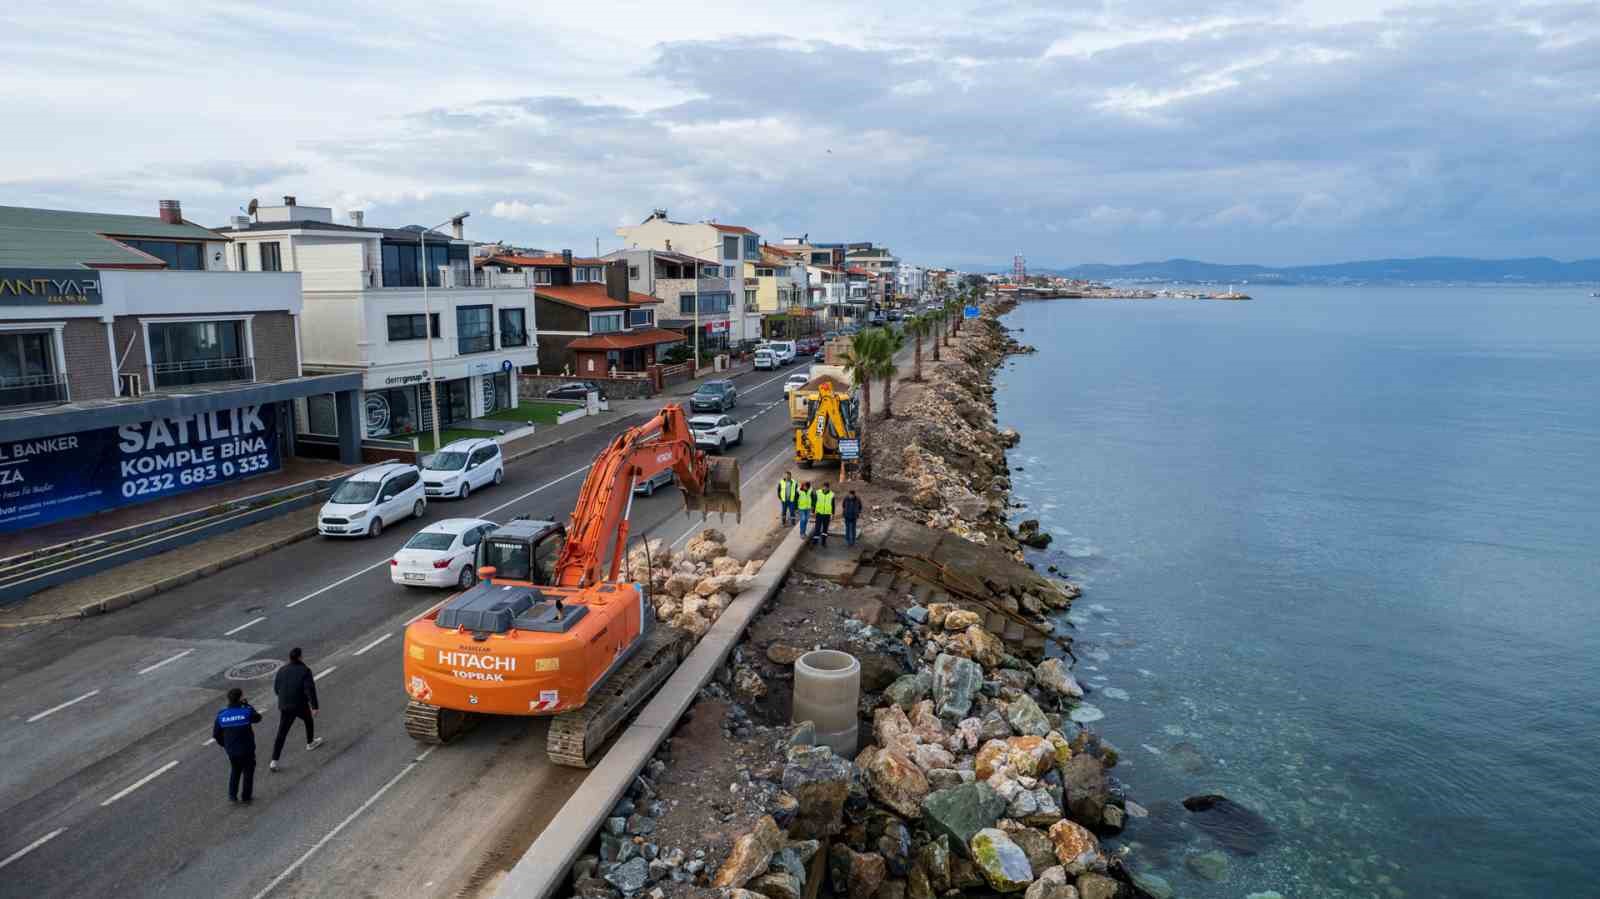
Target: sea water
(1341, 557)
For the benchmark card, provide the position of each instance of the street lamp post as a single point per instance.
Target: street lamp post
(427, 327)
(714, 247)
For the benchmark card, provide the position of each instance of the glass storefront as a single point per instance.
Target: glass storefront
(391, 412)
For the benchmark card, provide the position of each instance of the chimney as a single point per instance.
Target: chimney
(669, 246)
(357, 218)
(171, 212)
(288, 200)
(458, 229)
(566, 257)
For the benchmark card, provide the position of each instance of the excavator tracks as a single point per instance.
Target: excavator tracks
(432, 724)
(575, 736)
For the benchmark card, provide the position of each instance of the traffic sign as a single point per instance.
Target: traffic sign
(849, 449)
(970, 312)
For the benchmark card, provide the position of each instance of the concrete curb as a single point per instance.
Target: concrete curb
(543, 868)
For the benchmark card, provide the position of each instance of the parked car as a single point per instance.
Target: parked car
(716, 431)
(795, 381)
(462, 467)
(649, 486)
(443, 554)
(372, 498)
(807, 346)
(714, 396)
(574, 390)
(766, 359)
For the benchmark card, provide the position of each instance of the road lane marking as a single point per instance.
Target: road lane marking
(53, 709)
(372, 644)
(289, 871)
(150, 668)
(32, 846)
(327, 671)
(253, 621)
(385, 560)
(141, 782)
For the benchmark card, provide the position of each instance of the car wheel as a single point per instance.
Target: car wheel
(722, 445)
(650, 488)
(465, 491)
(499, 475)
(375, 528)
(739, 438)
(417, 508)
(469, 576)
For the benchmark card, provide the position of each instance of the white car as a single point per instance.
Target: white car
(766, 359)
(716, 431)
(372, 499)
(443, 554)
(462, 467)
(796, 381)
(784, 349)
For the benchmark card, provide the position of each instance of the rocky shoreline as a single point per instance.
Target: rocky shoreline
(977, 774)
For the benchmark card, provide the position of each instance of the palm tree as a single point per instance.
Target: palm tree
(938, 317)
(893, 342)
(918, 327)
(860, 361)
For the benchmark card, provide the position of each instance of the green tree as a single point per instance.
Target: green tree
(938, 315)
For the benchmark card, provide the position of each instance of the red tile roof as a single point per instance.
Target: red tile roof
(509, 259)
(590, 296)
(731, 229)
(626, 340)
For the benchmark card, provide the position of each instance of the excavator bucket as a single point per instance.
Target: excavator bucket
(722, 488)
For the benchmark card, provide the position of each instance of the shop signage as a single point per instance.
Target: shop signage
(849, 449)
(717, 327)
(49, 287)
(70, 475)
(401, 380)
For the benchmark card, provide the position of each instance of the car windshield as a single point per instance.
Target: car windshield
(431, 540)
(355, 492)
(448, 460)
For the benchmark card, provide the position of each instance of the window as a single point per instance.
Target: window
(400, 265)
(271, 258)
(409, 327)
(199, 352)
(596, 274)
(752, 247)
(710, 271)
(580, 275)
(633, 273)
(28, 369)
(728, 271)
(475, 328)
(605, 323)
(645, 317)
(750, 296)
(176, 254)
(391, 411)
(513, 327)
(710, 303)
(821, 258)
(244, 258)
(322, 416)
(541, 276)
(730, 247)
(763, 272)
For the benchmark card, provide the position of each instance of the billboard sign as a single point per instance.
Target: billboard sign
(70, 475)
(970, 312)
(49, 287)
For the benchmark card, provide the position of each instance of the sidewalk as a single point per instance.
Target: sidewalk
(135, 582)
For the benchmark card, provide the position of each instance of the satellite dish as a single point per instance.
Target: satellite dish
(251, 209)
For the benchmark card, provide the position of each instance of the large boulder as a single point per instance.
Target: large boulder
(933, 757)
(895, 781)
(909, 689)
(1041, 852)
(702, 548)
(726, 565)
(1098, 886)
(891, 838)
(691, 624)
(630, 876)
(925, 723)
(778, 885)
(681, 584)
(892, 729)
(820, 781)
(750, 855)
(985, 648)
(1003, 863)
(960, 812)
(994, 755)
(960, 619)
(1076, 848)
(1087, 789)
(955, 683)
(1026, 718)
(1051, 882)
(855, 874)
(1029, 756)
(1053, 675)
(713, 585)
(1237, 827)
(934, 860)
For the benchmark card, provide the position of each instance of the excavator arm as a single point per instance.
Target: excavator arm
(709, 484)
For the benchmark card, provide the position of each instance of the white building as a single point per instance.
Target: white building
(911, 281)
(732, 317)
(364, 312)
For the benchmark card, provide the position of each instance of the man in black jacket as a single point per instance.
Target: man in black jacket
(233, 733)
(297, 699)
(852, 511)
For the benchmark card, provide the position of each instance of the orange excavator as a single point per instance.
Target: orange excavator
(552, 628)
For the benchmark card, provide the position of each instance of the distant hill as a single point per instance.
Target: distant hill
(1537, 269)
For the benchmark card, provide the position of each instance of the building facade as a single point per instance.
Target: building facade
(366, 311)
(727, 246)
(134, 366)
(679, 280)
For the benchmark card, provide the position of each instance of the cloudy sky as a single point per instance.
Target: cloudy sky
(955, 133)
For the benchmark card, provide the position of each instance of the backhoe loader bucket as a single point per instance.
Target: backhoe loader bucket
(722, 489)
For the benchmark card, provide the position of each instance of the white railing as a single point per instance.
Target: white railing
(203, 371)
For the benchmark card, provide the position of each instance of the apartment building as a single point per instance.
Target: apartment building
(727, 246)
(678, 280)
(134, 365)
(375, 298)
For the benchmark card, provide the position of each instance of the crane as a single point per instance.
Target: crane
(552, 628)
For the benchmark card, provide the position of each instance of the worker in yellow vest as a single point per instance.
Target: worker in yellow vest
(802, 505)
(787, 489)
(823, 504)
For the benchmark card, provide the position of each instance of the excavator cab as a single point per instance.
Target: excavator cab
(721, 492)
(523, 551)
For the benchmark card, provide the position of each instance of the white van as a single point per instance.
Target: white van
(766, 358)
(372, 499)
(462, 467)
(784, 349)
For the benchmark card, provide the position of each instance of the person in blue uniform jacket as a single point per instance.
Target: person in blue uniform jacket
(233, 733)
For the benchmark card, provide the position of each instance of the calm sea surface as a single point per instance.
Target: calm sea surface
(1341, 558)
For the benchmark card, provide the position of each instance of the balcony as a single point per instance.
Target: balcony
(203, 371)
(32, 390)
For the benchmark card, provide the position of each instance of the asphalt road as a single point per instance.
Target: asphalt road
(108, 785)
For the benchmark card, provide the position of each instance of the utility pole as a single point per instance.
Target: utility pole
(427, 326)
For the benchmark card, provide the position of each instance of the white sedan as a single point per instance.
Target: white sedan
(795, 382)
(716, 431)
(443, 554)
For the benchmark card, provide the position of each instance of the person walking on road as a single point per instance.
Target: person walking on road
(233, 733)
(852, 511)
(786, 492)
(802, 504)
(823, 503)
(297, 700)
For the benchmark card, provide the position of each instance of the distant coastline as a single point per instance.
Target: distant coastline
(1430, 271)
